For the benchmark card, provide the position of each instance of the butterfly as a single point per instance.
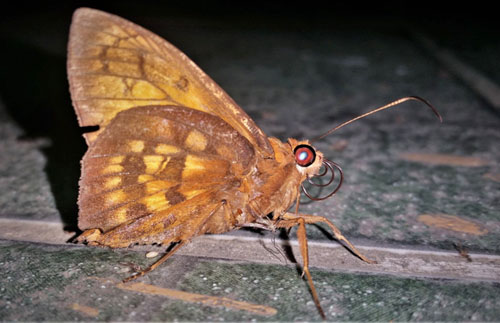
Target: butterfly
(174, 157)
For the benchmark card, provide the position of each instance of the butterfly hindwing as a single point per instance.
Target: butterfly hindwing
(150, 159)
(115, 65)
(179, 222)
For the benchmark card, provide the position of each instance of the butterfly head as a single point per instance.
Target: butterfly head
(308, 160)
(311, 163)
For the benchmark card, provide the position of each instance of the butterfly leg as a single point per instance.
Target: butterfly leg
(186, 238)
(301, 235)
(336, 232)
(157, 263)
(92, 236)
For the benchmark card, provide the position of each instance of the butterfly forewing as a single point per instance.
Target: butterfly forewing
(115, 65)
(150, 159)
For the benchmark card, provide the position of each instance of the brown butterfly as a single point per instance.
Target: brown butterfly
(175, 157)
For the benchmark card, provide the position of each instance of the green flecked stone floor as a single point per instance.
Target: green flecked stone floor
(60, 283)
(413, 187)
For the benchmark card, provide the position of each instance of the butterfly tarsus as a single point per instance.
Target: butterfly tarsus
(132, 266)
(157, 263)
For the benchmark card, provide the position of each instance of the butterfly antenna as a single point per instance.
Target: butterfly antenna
(387, 106)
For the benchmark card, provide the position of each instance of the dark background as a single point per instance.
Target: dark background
(32, 72)
(33, 84)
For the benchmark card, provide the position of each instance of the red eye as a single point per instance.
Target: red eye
(304, 155)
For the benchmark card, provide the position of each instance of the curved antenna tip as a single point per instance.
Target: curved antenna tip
(387, 106)
(427, 103)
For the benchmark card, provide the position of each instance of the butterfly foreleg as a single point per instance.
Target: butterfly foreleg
(336, 232)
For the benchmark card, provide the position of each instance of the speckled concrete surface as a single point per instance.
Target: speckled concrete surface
(78, 285)
(295, 82)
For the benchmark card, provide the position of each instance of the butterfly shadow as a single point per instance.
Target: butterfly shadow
(331, 237)
(34, 92)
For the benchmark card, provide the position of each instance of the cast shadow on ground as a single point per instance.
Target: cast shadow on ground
(35, 91)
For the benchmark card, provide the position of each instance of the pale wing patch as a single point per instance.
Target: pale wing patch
(116, 159)
(115, 197)
(136, 146)
(153, 163)
(194, 163)
(196, 141)
(144, 178)
(121, 215)
(157, 186)
(164, 149)
(112, 182)
(144, 89)
(112, 169)
(204, 169)
(156, 202)
(113, 165)
(190, 193)
(192, 166)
